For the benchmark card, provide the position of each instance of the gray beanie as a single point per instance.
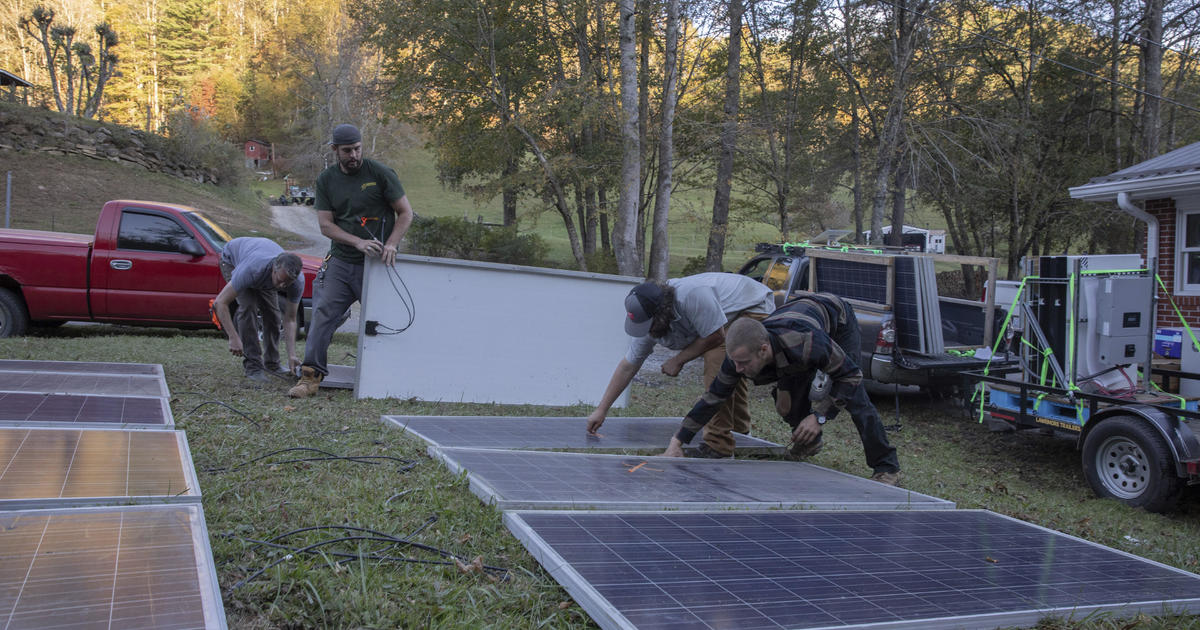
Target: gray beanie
(345, 134)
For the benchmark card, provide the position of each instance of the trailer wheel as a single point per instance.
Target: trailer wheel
(14, 319)
(1126, 459)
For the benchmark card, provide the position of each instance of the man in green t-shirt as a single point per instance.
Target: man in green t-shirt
(362, 208)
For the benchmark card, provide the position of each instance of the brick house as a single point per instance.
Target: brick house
(1163, 192)
(258, 154)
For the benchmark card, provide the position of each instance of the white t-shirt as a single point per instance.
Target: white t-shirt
(703, 303)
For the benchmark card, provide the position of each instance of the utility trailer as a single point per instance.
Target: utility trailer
(1081, 329)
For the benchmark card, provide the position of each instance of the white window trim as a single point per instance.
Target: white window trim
(1184, 205)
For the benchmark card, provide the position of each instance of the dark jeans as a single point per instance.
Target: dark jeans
(881, 455)
(338, 285)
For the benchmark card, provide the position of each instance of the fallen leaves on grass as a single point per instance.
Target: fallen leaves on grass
(476, 565)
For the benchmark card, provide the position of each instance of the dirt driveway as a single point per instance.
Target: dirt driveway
(301, 221)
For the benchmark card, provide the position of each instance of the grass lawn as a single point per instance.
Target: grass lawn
(942, 451)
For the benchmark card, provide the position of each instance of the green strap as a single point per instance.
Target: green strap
(1004, 327)
(981, 390)
(1181, 399)
(1078, 405)
(1195, 344)
(1071, 333)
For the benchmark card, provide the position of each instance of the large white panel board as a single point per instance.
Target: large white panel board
(486, 332)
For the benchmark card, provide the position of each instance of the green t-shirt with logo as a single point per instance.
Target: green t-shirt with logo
(361, 203)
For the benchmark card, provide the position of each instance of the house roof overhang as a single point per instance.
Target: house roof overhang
(8, 78)
(1168, 175)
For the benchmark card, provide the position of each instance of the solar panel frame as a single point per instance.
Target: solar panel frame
(535, 432)
(757, 585)
(340, 377)
(74, 579)
(932, 312)
(541, 480)
(21, 409)
(43, 475)
(907, 307)
(82, 367)
(45, 382)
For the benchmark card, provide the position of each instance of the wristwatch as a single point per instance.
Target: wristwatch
(820, 419)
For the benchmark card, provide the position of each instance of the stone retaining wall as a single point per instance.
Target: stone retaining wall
(41, 130)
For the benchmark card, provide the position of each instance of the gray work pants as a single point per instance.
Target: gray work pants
(253, 303)
(338, 285)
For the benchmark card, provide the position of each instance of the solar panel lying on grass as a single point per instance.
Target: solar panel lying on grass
(566, 433)
(541, 480)
(798, 569)
(339, 377)
(81, 367)
(62, 467)
(81, 410)
(83, 383)
(126, 567)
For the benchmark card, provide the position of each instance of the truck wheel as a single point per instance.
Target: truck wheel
(1126, 459)
(14, 319)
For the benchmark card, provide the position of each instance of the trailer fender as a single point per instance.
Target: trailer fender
(1183, 442)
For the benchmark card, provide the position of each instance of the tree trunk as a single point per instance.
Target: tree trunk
(602, 202)
(1152, 57)
(581, 216)
(891, 137)
(1114, 95)
(897, 239)
(41, 19)
(560, 200)
(733, 80)
(625, 233)
(645, 35)
(660, 258)
(510, 191)
(592, 217)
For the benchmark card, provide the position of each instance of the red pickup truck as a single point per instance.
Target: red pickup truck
(149, 264)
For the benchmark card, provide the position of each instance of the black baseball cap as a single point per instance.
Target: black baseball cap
(641, 305)
(345, 134)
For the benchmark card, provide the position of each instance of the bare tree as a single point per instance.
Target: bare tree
(907, 19)
(77, 74)
(625, 233)
(1152, 58)
(729, 137)
(660, 245)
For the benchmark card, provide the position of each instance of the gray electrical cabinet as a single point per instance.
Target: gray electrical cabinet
(1122, 319)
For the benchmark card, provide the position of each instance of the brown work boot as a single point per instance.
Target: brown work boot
(888, 478)
(310, 381)
(707, 452)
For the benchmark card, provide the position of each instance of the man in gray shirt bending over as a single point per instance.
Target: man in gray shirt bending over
(256, 271)
(689, 315)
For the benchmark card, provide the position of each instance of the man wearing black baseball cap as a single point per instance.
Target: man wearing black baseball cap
(689, 315)
(362, 208)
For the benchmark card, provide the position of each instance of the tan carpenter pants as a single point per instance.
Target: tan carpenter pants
(734, 415)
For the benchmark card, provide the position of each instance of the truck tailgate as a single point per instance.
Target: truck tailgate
(52, 270)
